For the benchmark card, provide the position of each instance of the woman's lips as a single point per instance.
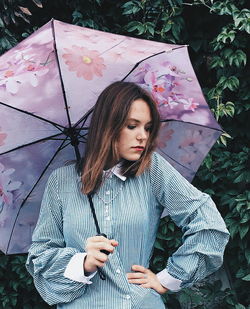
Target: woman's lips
(138, 148)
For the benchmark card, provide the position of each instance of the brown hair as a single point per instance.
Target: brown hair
(109, 117)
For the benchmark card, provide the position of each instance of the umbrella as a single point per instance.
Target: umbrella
(48, 85)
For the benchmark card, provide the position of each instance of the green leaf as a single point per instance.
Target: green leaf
(243, 229)
(159, 246)
(1, 23)
(239, 306)
(233, 229)
(246, 278)
(240, 178)
(166, 27)
(247, 255)
(176, 29)
(38, 3)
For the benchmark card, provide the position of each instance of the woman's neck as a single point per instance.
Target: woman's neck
(109, 164)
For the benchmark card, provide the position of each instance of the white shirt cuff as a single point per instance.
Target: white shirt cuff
(169, 281)
(75, 271)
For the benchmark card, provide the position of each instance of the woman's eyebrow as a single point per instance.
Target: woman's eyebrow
(137, 121)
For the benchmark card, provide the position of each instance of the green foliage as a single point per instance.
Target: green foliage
(17, 289)
(217, 32)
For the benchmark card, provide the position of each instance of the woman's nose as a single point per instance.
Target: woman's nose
(142, 135)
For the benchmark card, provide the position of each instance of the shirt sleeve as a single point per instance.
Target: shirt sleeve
(48, 256)
(204, 232)
(75, 271)
(169, 281)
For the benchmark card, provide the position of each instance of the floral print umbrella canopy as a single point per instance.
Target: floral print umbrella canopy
(48, 85)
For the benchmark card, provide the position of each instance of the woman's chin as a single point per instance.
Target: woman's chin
(132, 157)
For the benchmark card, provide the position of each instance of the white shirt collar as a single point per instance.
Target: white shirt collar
(116, 170)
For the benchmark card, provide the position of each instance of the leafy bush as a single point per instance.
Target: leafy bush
(218, 35)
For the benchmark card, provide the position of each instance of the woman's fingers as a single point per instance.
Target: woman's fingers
(114, 242)
(146, 278)
(96, 258)
(102, 246)
(139, 268)
(136, 275)
(138, 281)
(100, 243)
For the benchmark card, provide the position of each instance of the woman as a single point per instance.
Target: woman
(130, 186)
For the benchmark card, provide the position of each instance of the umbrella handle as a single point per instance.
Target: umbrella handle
(103, 251)
(100, 271)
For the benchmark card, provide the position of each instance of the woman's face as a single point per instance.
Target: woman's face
(133, 137)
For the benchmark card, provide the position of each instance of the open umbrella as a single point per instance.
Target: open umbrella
(48, 85)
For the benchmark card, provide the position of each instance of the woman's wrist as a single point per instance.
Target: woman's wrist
(87, 267)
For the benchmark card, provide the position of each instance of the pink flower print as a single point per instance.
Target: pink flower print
(2, 137)
(30, 67)
(25, 71)
(162, 88)
(140, 72)
(32, 72)
(86, 63)
(10, 80)
(7, 186)
(155, 87)
(169, 82)
(171, 102)
(170, 69)
(191, 138)
(189, 104)
(116, 56)
(188, 158)
(165, 135)
(3, 223)
(8, 74)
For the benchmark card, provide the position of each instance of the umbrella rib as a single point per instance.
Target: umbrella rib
(136, 65)
(46, 167)
(83, 128)
(84, 117)
(58, 126)
(83, 123)
(113, 46)
(194, 124)
(65, 144)
(83, 135)
(32, 143)
(60, 73)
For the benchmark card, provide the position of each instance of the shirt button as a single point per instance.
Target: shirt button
(107, 218)
(108, 192)
(127, 296)
(118, 271)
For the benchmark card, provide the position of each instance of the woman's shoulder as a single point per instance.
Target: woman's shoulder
(64, 173)
(160, 168)
(158, 162)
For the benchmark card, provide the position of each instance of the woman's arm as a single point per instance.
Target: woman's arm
(204, 232)
(48, 257)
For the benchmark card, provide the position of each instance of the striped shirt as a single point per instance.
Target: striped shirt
(128, 211)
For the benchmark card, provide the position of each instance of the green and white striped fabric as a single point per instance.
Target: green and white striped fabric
(132, 218)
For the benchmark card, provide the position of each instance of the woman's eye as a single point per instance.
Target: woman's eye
(148, 129)
(131, 127)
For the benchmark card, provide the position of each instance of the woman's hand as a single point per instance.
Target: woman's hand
(95, 258)
(145, 278)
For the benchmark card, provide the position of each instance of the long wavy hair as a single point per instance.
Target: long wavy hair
(108, 119)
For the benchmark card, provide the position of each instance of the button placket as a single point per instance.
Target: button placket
(118, 271)
(107, 214)
(108, 194)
